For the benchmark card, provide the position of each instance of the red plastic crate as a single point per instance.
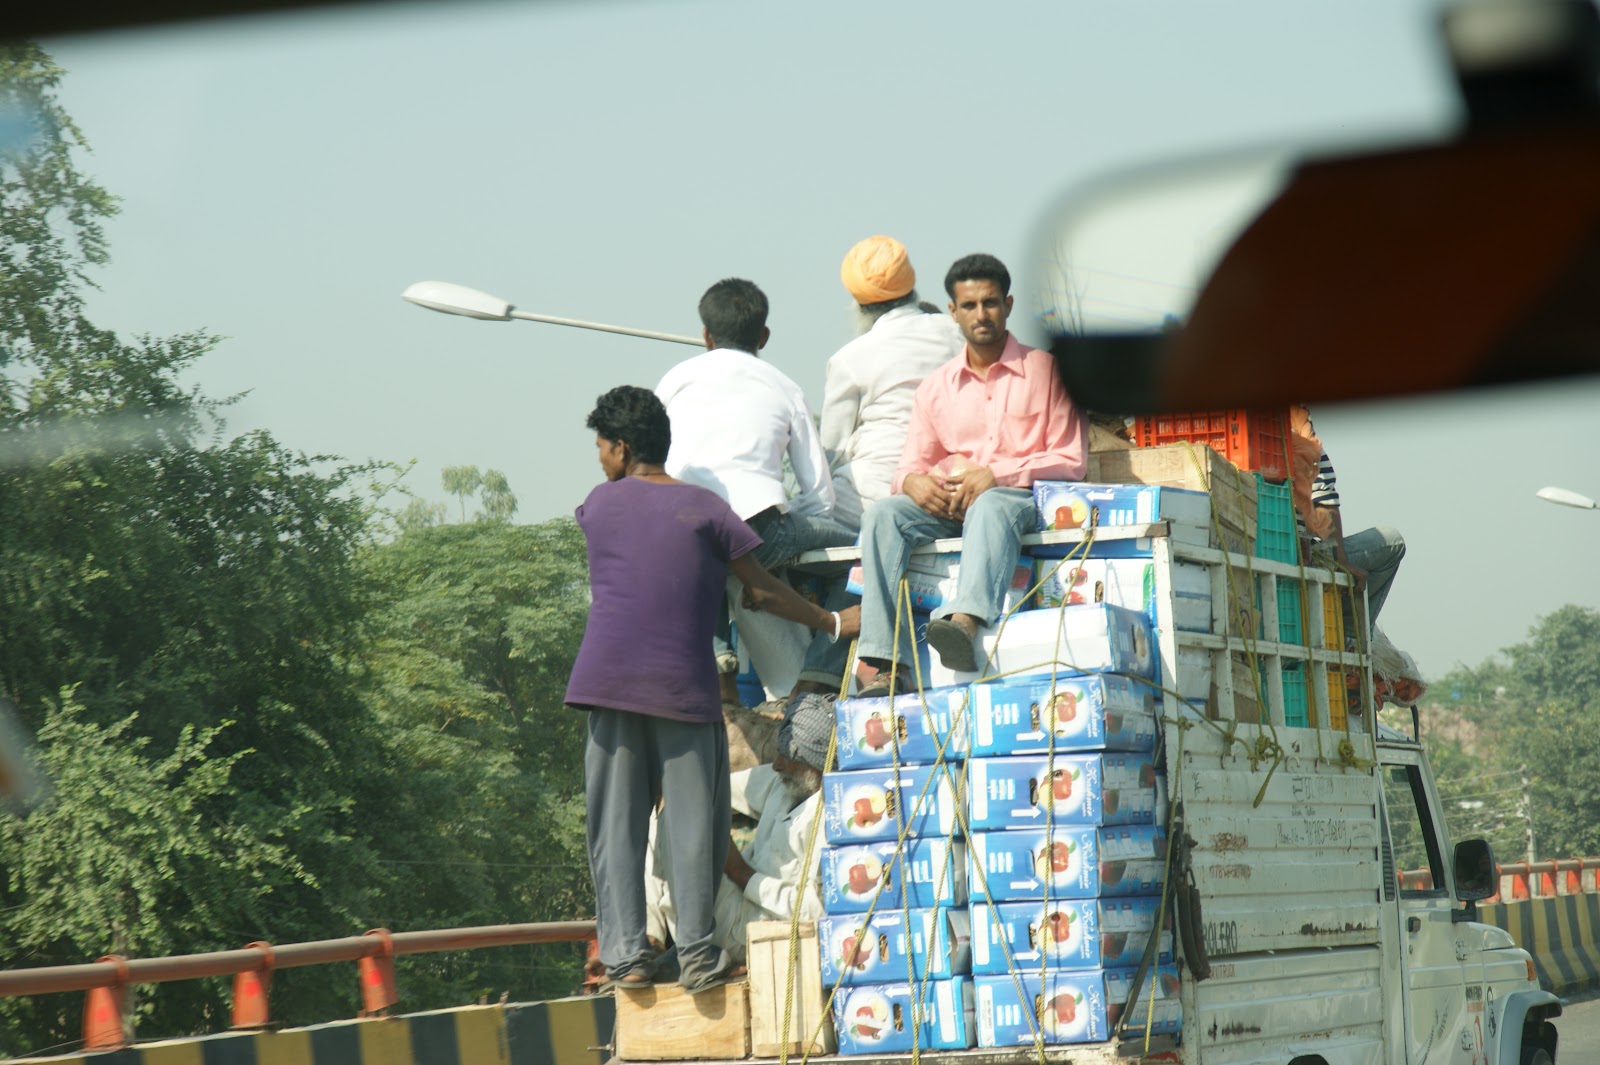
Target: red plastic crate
(1250, 439)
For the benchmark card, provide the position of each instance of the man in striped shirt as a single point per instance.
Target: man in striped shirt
(1372, 556)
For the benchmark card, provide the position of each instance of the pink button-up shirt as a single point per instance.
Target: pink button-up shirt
(1018, 421)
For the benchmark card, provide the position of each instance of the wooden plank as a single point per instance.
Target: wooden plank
(666, 1023)
(779, 982)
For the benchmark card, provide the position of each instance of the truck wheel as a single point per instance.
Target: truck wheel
(1535, 1055)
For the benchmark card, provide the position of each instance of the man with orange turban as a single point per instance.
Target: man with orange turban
(867, 396)
(870, 382)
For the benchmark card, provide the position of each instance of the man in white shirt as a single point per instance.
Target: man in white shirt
(774, 874)
(734, 418)
(871, 381)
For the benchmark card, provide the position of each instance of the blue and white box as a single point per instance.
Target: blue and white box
(1073, 1006)
(1068, 506)
(1030, 791)
(1064, 934)
(885, 803)
(1062, 1005)
(1125, 582)
(922, 724)
(895, 944)
(1079, 712)
(934, 870)
(895, 1018)
(1064, 862)
(1077, 639)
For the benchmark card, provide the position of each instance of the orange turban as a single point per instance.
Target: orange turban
(877, 269)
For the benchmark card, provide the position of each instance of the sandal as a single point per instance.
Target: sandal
(717, 979)
(629, 980)
(954, 645)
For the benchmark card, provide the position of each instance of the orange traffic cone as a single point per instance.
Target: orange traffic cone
(250, 991)
(377, 977)
(104, 1025)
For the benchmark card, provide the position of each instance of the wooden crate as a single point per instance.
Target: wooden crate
(771, 969)
(1195, 467)
(666, 1023)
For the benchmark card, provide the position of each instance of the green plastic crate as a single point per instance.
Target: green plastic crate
(1290, 629)
(1294, 696)
(1277, 536)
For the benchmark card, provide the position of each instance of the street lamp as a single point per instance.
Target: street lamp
(470, 303)
(1567, 498)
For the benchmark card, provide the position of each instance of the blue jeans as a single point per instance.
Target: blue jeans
(783, 536)
(992, 540)
(1378, 551)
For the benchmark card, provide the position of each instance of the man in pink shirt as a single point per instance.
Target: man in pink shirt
(984, 427)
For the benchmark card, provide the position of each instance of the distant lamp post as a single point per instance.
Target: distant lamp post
(446, 298)
(1568, 498)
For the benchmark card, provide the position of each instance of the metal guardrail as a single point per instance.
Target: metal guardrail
(1530, 880)
(106, 1025)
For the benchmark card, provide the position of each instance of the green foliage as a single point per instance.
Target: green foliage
(133, 852)
(259, 722)
(473, 646)
(1530, 712)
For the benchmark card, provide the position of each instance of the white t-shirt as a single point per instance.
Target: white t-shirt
(867, 397)
(734, 417)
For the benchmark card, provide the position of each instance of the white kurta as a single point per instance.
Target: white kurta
(777, 854)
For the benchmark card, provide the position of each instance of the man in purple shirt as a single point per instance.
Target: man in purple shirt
(660, 551)
(984, 426)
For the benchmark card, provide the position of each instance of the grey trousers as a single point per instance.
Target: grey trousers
(630, 759)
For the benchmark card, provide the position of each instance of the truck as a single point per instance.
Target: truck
(1297, 939)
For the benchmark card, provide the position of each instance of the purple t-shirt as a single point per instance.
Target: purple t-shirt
(658, 569)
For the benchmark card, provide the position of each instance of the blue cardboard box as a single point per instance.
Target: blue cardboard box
(894, 1018)
(921, 723)
(1068, 505)
(894, 944)
(1065, 1005)
(1064, 934)
(1030, 791)
(885, 803)
(1077, 639)
(1125, 582)
(1084, 712)
(934, 870)
(1066, 862)
(1073, 1006)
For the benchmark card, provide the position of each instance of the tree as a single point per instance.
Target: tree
(199, 598)
(474, 642)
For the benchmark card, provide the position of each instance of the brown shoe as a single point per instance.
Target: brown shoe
(953, 642)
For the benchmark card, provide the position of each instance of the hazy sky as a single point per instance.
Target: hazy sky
(284, 178)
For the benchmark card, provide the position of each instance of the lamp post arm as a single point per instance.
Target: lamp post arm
(648, 334)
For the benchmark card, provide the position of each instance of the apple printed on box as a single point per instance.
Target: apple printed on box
(876, 804)
(893, 944)
(1065, 862)
(1125, 582)
(896, 1018)
(916, 725)
(1076, 639)
(1062, 1006)
(1070, 712)
(1067, 789)
(934, 870)
(1064, 934)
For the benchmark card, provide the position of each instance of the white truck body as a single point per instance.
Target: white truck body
(1293, 839)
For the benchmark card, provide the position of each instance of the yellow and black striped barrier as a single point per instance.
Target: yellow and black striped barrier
(1559, 931)
(568, 1031)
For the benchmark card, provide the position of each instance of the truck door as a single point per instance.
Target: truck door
(1431, 958)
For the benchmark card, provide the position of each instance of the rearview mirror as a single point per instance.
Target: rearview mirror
(1476, 875)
